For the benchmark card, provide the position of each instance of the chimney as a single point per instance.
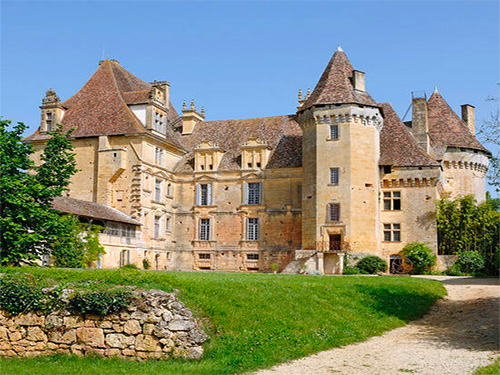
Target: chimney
(358, 80)
(468, 117)
(190, 117)
(419, 123)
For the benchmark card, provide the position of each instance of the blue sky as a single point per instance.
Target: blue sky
(248, 59)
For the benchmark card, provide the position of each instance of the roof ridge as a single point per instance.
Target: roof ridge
(252, 118)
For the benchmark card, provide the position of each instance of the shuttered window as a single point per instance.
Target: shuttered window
(253, 192)
(204, 194)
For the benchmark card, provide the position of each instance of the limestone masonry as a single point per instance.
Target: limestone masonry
(156, 325)
(343, 175)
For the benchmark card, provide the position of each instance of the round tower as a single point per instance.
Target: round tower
(341, 150)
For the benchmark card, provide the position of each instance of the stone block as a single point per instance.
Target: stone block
(181, 325)
(147, 343)
(36, 334)
(73, 321)
(93, 337)
(147, 329)
(29, 319)
(63, 337)
(132, 327)
(118, 340)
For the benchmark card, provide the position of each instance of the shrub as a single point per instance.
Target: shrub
(101, 302)
(351, 271)
(19, 295)
(130, 267)
(372, 264)
(470, 261)
(145, 264)
(454, 270)
(419, 256)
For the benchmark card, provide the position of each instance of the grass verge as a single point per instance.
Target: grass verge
(492, 369)
(254, 320)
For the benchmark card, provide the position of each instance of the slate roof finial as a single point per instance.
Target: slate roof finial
(339, 48)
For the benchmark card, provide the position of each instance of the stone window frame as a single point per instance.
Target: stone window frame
(253, 229)
(253, 193)
(204, 256)
(157, 232)
(392, 232)
(333, 212)
(253, 257)
(392, 200)
(158, 189)
(334, 176)
(168, 224)
(334, 133)
(124, 257)
(204, 194)
(204, 229)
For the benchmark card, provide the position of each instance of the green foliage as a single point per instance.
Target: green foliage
(28, 224)
(492, 369)
(254, 320)
(19, 294)
(464, 225)
(454, 270)
(274, 267)
(470, 262)
(145, 264)
(348, 270)
(130, 267)
(372, 264)
(419, 256)
(101, 302)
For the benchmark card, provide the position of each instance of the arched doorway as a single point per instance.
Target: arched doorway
(396, 264)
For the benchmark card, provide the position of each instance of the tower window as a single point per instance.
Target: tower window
(392, 232)
(334, 176)
(334, 212)
(204, 234)
(157, 190)
(334, 131)
(253, 229)
(253, 193)
(392, 200)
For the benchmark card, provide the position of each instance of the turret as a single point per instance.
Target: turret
(52, 111)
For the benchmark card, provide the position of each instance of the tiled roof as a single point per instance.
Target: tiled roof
(446, 128)
(335, 85)
(281, 134)
(100, 107)
(91, 210)
(397, 146)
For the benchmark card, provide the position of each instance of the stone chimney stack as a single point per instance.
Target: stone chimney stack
(420, 123)
(358, 80)
(468, 117)
(190, 117)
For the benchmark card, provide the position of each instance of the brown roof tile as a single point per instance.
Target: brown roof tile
(281, 133)
(397, 146)
(91, 209)
(446, 128)
(335, 85)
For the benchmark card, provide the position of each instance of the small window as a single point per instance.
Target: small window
(169, 189)
(204, 234)
(252, 256)
(392, 200)
(259, 165)
(49, 115)
(253, 193)
(387, 169)
(124, 257)
(334, 176)
(204, 256)
(334, 131)
(253, 229)
(157, 226)
(249, 165)
(158, 190)
(49, 125)
(168, 221)
(392, 232)
(334, 212)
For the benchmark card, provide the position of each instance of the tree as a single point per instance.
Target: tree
(29, 227)
(489, 132)
(463, 225)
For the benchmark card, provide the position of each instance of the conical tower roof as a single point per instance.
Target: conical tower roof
(335, 85)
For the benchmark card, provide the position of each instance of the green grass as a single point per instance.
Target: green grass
(493, 369)
(254, 320)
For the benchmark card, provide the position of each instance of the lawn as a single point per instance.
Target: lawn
(254, 320)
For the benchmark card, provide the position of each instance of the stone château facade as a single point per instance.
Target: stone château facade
(343, 175)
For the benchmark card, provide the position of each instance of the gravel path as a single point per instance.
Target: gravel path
(459, 334)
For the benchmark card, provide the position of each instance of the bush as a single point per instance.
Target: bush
(145, 264)
(419, 257)
(101, 302)
(372, 264)
(19, 295)
(130, 267)
(351, 271)
(454, 270)
(470, 262)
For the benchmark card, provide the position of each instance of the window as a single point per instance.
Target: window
(169, 189)
(160, 122)
(334, 176)
(48, 122)
(252, 256)
(159, 156)
(334, 212)
(204, 256)
(124, 257)
(253, 229)
(168, 221)
(387, 169)
(158, 190)
(204, 234)
(392, 232)
(392, 200)
(157, 226)
(253, 193)
(334, 132)
(204, 194)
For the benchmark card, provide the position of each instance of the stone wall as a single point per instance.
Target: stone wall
(155, 325)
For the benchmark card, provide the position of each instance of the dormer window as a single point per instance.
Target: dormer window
(254, 154)
(207, 156)
(160, 122)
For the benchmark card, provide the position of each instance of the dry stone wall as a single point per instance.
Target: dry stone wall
(155, 325)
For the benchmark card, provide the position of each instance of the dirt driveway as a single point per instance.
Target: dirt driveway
(460, 333)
